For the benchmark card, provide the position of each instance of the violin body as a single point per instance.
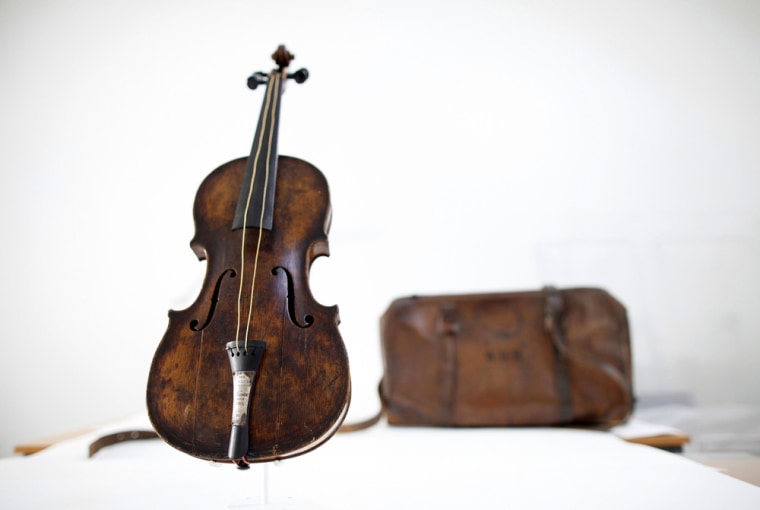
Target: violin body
(302, 385)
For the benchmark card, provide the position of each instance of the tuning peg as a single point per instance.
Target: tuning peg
(300, 76)
(256, 79)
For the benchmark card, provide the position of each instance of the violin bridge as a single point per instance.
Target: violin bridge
(244, 364)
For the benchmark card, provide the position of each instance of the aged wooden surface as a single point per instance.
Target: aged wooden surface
(302, 388)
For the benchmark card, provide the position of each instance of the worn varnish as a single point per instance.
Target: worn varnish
(301, 389)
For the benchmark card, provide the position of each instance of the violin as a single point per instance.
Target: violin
(255, 370)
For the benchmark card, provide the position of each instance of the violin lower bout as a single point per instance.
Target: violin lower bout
(301, 391)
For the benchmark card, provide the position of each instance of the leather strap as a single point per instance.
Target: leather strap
(554, 308)
(134, 435)
(120, 437)
(448, 325)
(365, 424)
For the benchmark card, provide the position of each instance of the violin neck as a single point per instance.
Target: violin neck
(256, 202)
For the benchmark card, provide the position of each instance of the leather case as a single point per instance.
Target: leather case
(536, 358)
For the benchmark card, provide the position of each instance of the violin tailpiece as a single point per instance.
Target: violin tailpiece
(244, 364)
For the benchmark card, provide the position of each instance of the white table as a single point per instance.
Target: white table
(383, 467)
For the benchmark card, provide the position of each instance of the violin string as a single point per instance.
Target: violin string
(272, 112)
(245, 216)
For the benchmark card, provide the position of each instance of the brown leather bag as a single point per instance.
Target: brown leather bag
(550, 357)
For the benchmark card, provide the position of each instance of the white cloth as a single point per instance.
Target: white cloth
(379, 468)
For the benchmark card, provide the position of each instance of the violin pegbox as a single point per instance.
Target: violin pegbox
(282, 58)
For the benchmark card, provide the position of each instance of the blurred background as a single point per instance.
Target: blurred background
(470, 147)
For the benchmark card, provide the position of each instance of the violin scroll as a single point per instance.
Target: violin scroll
(282, 58)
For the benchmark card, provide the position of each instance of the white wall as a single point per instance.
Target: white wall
(470, 146)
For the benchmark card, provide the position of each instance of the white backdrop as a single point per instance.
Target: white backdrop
(470, 146)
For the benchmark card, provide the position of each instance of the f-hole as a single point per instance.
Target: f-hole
(308, 320)
(214, 300)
